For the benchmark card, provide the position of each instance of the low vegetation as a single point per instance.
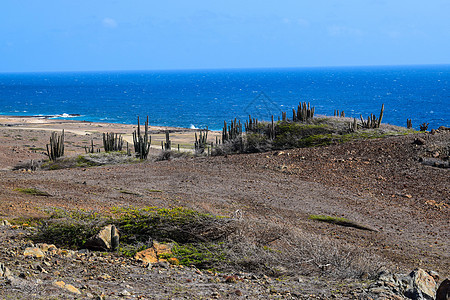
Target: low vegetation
(32, 191)
(287, 134)
(212, 242)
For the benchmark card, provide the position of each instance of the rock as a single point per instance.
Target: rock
(5, 223)
(423, 286)
(4, 271)
(68, 287)
(443, 128)
(147, 255)
(419, 141)
(418, 285)
(34, 252)
(46, 247)
(72, 289)
(106, 240)
(151, 255)
(443, 292)
(124, 293)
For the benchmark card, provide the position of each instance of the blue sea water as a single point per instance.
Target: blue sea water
(203, 98)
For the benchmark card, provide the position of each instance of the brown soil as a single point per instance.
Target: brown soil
(379, 183)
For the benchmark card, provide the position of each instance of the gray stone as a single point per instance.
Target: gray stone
(423, 286)
(418, 285)
(443, 292)
(106, 240)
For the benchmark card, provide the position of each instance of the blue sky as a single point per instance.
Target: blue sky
(81, 35)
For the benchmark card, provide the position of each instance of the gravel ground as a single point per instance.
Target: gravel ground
(379, 183)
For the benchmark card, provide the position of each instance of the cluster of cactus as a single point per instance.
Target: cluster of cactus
(232, 131)
(91, 149)
(304, 112)
(372, 121)
(408, 123)
(56, 147)
(337, 114)
(353, 126)
(167, 145)
(142, 142)
(251, 125)
(424, 126)
(112, 142)
(201, 140)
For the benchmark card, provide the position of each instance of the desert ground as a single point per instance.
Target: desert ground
(380, 183)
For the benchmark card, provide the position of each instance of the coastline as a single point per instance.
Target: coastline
(26, 136)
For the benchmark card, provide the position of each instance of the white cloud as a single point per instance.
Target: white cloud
(109, 23)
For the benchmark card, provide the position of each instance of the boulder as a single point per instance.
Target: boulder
(422, 286)
(443, 292)
(418, 285)
(106, 240)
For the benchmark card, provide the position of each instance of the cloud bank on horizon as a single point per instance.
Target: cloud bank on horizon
(50, 35)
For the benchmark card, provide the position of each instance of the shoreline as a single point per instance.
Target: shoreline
(24, 138)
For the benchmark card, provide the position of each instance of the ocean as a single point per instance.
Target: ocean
(200, 98)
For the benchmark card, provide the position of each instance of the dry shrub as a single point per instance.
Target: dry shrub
(274, 249)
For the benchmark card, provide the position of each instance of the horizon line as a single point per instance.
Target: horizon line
(224, 69)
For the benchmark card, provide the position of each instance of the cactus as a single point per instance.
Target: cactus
(201, 141)
(168, 144)
(353, 126)
(90, 149)
(56, 147)
(424, 126)
(408, 123)
(112, 142)
(142, 142)
(372, 121)
(231, 132)
(304, 112)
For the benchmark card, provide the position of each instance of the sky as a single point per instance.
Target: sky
(102, 35)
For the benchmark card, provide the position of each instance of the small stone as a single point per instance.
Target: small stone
(46, 247)
(4, 271)
(5, 223)
(72, 289)
(60, 283)
(419, 141)
(34, 252)
(238, 293)
(68, 287)
(41, 269)
(124, 293)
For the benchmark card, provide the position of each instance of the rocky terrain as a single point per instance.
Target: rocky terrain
(397, 187)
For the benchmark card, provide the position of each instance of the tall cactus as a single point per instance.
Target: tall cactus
(201, 140)
(112, 142)
(56, 147)
(142, 142)
(168, 143)
(304, 112)
(372, 121)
